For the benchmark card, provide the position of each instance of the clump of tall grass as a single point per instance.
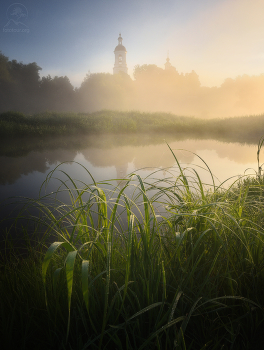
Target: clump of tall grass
(154, 264)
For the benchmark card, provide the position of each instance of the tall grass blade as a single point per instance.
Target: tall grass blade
(85, 283)
(49, 255)
(69, 264)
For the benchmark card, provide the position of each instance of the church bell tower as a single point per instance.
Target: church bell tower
(120, 57)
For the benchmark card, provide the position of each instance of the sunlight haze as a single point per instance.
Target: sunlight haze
(217, 39)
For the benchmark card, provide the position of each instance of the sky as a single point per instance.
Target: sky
(218, 39)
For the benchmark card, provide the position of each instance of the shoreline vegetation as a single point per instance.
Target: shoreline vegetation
(184, 269)
(235, 129)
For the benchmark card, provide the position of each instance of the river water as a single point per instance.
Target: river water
(27, 162)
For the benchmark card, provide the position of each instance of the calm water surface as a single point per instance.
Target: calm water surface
(26, 163)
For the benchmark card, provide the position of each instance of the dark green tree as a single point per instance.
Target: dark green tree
(57, 94)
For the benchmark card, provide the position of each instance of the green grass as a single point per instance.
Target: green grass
(48, 123)
(171, 264)
(237, 129)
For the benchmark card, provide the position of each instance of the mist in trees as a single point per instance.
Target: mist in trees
(105, 91)
(153, 89)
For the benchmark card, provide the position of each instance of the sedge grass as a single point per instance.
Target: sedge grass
(153, 264)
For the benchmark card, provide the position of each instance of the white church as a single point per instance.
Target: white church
(120, 58)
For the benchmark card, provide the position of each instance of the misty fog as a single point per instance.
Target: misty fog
(152, 89)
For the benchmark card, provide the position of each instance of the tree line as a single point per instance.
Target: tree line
(152, 89)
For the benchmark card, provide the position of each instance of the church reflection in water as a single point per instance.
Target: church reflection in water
(142, 152)
(26, 163)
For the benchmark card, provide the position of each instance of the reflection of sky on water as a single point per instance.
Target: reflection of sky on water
(223, 167)
(23, 176)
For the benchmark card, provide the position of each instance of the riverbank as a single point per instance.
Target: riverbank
(192, 279)
(236, 129)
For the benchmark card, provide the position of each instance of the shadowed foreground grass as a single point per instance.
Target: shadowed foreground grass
(151, 264)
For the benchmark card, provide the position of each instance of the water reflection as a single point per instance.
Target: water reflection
(142, 152)
(26, 163)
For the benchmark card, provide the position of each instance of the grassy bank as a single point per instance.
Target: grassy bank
(240, 129)
(14, 123)
(173, 265)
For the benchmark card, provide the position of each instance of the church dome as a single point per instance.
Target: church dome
(120, 57)
(120, 48)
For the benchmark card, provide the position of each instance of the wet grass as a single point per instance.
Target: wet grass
(148, 264)
(236, 129)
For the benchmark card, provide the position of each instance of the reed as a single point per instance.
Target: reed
(148, 264)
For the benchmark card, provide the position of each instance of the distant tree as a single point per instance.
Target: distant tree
(4, 72)
(5, 84)
(26, 78)
(244, 94)
(105, 91)
(191, 80)
(165, 89)
(22, 89)
(19, 85)
(25, 74)
(147, 71)
(57, 94)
